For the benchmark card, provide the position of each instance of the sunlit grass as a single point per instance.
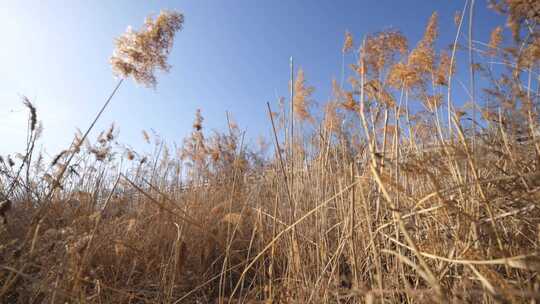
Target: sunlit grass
(392, 191)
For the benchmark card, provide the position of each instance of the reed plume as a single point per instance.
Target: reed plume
(348, 43)
(302, 97)
(139, 53)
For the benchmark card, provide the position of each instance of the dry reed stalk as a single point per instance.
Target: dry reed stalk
(289, 228)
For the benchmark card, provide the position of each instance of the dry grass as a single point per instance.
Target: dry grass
(381, 200)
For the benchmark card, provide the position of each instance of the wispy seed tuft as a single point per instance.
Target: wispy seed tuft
(33, 112)
(139, 53)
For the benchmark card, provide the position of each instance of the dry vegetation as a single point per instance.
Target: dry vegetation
(396, 194)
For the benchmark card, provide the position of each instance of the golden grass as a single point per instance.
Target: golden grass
(378, 201)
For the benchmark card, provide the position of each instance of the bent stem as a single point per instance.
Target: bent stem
(82, 139)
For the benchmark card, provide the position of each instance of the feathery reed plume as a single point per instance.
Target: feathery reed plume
(194, 148)
(33, 114)
(342, 98)
(432, 31)
(421, 62)
(422, 58)
(58, 157)
(332, 117)
(495, 41)
(518, 12)
(110, 133)
(457, 18)
(140, 53)
(100, 153)
(381, 49)
(302, 98)
(375, 91)
(349, 104)
(197, 123)
(146, 136)
(348, 43)
(531, 54)
(445, 69)
(38, 130)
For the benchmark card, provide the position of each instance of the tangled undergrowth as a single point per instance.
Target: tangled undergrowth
(395, 194)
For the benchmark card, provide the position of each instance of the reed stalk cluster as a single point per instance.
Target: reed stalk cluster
(394, 191)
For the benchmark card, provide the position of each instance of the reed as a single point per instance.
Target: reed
(392, 194)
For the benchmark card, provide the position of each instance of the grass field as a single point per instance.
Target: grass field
(391, 192)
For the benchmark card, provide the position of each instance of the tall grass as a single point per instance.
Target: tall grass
(398, 194)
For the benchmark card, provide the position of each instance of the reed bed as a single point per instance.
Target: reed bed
(393, 192)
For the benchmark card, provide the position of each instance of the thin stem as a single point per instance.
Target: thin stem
(452, 58)
(471, 74)
(83, 138)
(292, 129)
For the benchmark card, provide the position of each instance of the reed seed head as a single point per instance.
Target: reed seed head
(302, 97)
(139, 53)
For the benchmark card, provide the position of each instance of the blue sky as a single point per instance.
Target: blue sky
(231, 56)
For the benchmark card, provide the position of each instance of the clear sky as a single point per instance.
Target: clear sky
(231, 56)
